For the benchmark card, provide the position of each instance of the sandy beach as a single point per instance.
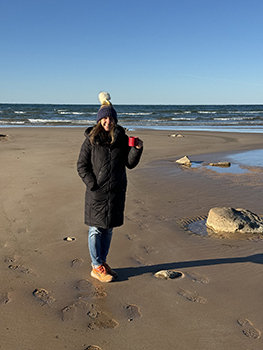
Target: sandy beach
(48, 299)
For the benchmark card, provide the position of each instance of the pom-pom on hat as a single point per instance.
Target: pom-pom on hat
(106, 109)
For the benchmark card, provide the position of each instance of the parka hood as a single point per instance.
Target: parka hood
(87, 131)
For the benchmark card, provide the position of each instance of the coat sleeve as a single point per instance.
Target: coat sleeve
(84, 166)
(133, 157)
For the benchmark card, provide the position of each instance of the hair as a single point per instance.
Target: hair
(98, 129)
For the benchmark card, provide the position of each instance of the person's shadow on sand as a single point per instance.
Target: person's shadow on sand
(127, 272)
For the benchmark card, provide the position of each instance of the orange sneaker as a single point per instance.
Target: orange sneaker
(109, 270)
(101, 274)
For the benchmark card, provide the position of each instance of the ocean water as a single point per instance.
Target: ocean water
(238, 118)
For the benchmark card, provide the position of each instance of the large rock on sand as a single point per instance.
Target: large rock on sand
(230, 220)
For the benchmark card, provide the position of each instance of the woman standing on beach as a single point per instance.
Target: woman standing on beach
(102, 163)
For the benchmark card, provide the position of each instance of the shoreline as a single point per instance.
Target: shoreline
(214, 306)
(255, 129)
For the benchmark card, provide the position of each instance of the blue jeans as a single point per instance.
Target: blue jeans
(99, 244)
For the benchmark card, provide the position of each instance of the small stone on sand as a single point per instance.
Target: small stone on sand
(69, 239)
(176, 135)
(221, 164)
(168, 274)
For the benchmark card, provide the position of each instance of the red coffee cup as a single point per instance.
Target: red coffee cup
(133, 141)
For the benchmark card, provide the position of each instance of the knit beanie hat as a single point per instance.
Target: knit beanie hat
(106, 109)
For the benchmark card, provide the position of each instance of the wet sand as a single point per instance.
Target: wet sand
(48, 299)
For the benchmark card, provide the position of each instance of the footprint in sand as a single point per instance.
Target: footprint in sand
(93, 313)
(142, 262)
(13, 265)
(4, 298)
(76, 263)
(11, 259)
(142, 226)
(23, 230)
(149, 250)
(132, 237)
(26, 210)
(192, 296)
(139, 222)
(248, 328)
(44, 296)
(21, 269)
(198, 278)
(96, 318)
(68, 313)
(89, 290)
(162, 218)
(99, 320)
(132, 312)
(138, 201)
(231, 245)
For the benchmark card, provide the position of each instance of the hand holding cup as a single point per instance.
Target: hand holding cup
(135, 142)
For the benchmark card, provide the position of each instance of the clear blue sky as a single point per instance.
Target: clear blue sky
(141, 51)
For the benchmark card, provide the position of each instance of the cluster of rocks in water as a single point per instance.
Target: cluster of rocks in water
(227, 219)
(187, 162)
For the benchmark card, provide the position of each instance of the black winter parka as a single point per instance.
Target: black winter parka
(102, 168)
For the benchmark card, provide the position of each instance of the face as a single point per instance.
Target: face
(107, 123)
